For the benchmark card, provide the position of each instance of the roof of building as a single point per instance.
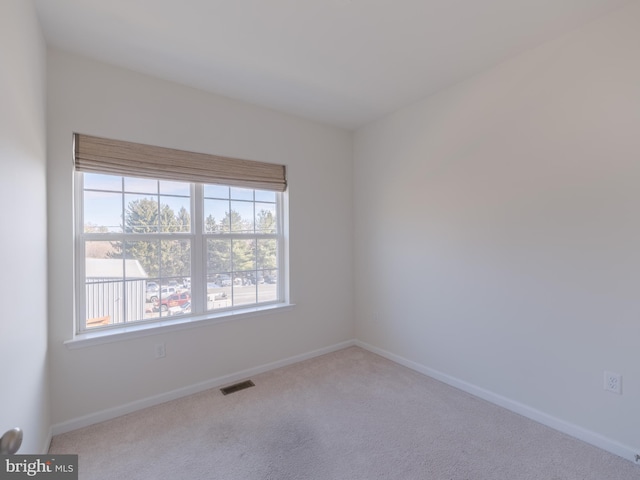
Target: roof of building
(114, 268)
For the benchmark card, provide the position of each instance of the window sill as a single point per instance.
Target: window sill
(128, 332)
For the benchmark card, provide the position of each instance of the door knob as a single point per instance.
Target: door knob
(10, 441)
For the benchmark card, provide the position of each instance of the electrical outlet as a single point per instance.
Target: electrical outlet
(160, 350)
(613, 382)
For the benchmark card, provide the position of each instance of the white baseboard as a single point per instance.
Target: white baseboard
(114, 412)
(575, 431)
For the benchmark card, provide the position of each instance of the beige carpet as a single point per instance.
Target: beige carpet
(347, 415)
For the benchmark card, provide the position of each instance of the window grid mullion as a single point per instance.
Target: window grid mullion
(125, 318)
(198, 256)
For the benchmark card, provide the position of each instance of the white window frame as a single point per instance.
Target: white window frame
(198, 239)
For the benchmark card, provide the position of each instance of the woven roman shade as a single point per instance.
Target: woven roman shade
(102, 155)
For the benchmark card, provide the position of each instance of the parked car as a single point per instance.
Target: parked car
(223, 280)
(180, 309)
(152, 291)
(216, 296)
(270, 278)
(249, 278)
(164, 292)
(170, 299)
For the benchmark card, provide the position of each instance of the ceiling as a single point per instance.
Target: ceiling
(342, 62)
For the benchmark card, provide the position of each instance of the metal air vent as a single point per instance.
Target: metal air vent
(236, 387)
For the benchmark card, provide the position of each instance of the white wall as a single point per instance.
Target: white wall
(89, 97)
(498, 232)
(24, 398)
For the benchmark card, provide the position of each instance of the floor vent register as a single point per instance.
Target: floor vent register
(237, 387)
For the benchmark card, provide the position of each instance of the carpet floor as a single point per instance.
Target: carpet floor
(348, 415)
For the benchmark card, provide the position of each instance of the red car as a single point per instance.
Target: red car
(175, 300)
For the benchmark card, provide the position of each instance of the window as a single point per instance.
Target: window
(155, 249)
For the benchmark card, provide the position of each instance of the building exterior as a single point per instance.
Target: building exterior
(109, 295)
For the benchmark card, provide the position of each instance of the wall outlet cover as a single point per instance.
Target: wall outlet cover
(613, 382)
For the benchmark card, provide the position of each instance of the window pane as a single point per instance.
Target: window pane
(174, 300)
(147, 254)
(271, 277)
(218, 257)
(216, 191)
(102, 212)
(219, 279)
(104, 304)
(175, 188)
(244, 255)
(100, 249)
(218, 292)
(267, 253)
(265, 196)
(175, 267)
(241, 193)
(174, 214)
(268, 286)
(140, 185)
(216, 214)
(175, 259)
(265, 218)
(141, 214)
(98, 181)
(243, 294)
(104, 284)
(242, 217)
(135, 297)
